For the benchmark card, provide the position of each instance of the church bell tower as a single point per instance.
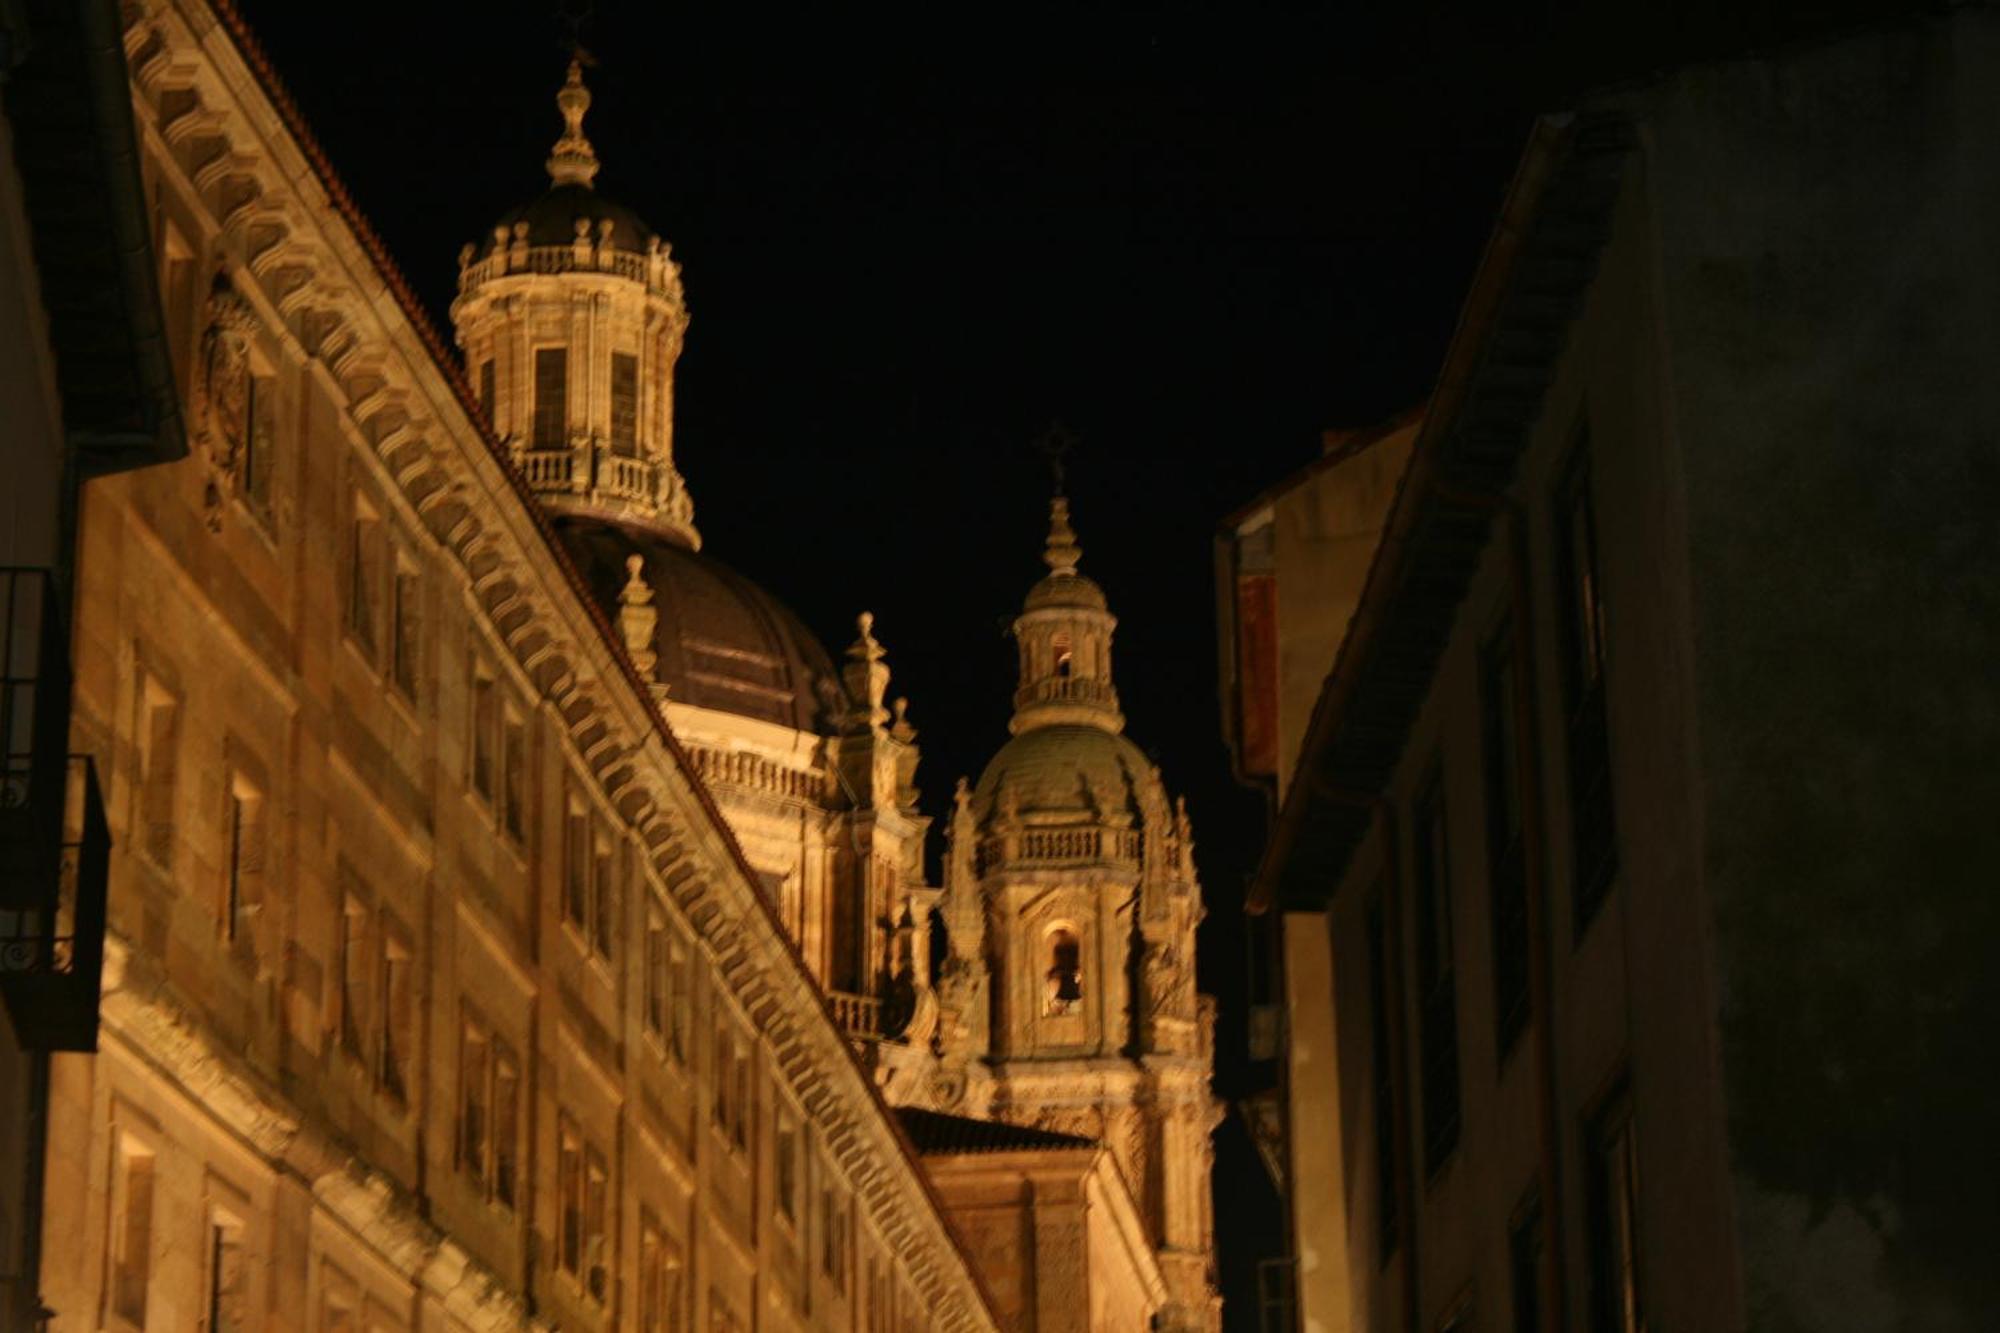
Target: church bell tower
(1071, 904)
(570, 316)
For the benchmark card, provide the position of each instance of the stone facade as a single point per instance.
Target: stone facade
(438, 994)
(1067, 994)
(1056, 1231)
(517, 920)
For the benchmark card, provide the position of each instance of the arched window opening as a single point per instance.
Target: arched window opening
(1063, 656)
(1065, 976)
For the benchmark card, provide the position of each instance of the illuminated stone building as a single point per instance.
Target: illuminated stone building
(516, 918)
(1067, 993)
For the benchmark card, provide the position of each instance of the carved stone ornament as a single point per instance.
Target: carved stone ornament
(637, 617)
(222, 393)
(1167, 982)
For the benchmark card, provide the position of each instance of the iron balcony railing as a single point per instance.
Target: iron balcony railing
(52, 952)
(55, 846)
(34, 734)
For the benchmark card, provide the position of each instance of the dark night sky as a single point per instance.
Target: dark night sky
(1195, 238)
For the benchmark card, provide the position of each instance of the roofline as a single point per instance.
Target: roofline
(1439, 461)
(1340, 446)
(258, 62)
(1337, 446)
(1093, 1159)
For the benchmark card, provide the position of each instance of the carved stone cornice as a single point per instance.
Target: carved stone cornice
(406, 400)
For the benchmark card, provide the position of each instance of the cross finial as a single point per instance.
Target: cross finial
(1054, 444)
(573, 161)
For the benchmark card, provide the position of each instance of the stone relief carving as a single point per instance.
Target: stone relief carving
(1169, 982)
(221, 396)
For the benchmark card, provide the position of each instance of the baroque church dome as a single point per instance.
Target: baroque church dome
(552, 218)
(1066, 770)
(582, 391)
(721, 641)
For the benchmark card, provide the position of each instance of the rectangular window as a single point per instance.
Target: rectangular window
(596, 1223)
(785, 1169)
(655, 1002)
(475, 1092)
(485, 735)
(363, 574)
(177, 296)
(1612, 1183)
(159, 753)
(833, 1239)
(1437, 985)
(1379, 990)
(513, 775)
(353, 946)
(660, 1278)
(486, 399)
(603, 893)
(131, 1232)
(576, 868)
(406, 614)
(725, 1084)
(243, 888)
(569, 1199)
(1580, 624)
(680, 999)
(506, 1123)
(624, 404)
(228, 1297)
(739, 1129)
(339, 1302)
(582, 1196)
(395, 1038)
(551, 398)
(1524, 1263)
(1506, 840)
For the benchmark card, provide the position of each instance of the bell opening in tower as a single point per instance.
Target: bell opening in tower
(1065, 976)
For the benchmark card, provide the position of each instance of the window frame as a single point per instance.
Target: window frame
(127, 1148)
(1617, 1302)
(397, 1021)
(365, 538)
(1382, 993)
(623, 445)
(548, 427)
(1441, 1081)
(1506, 768)
(1583, 655)
(246, 858)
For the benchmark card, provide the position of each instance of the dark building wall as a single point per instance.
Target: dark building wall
(1831, 306)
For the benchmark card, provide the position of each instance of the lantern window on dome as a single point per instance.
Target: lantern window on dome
(551, 396)
(624, 404)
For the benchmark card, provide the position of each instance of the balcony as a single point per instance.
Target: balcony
(55, 846)
(52, 953)
(857, 1016)
(1084, 844)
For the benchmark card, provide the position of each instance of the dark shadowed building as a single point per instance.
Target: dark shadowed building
(1635, 864)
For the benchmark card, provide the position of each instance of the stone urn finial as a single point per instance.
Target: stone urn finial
(637, 617)
(573, 161)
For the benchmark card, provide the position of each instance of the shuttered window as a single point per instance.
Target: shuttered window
(551, 397)
(624, 404)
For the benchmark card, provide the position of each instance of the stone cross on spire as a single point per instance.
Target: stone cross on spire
(573, 161)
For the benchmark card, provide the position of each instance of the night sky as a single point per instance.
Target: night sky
(1194, 238)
